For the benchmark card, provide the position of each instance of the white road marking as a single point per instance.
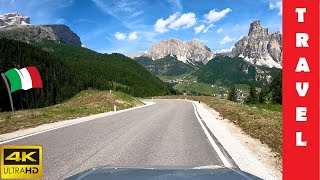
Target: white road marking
(214, 145)
(58, 127)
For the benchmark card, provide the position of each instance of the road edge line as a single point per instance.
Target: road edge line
(213, 144)
(94, 117)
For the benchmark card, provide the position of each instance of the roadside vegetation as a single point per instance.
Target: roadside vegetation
(258, 122)
(197, 88)
(271, 95)
(85, 103)
(259, 115)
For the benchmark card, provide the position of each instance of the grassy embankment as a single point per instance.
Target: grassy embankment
(263, 122)
(83, 104)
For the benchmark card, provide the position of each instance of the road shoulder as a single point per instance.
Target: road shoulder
(249, 154)
(20, 134)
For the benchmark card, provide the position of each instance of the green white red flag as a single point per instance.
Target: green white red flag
(24, 79)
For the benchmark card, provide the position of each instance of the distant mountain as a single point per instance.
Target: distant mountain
(259, 47)
(166, 66)
(225, 70)
(11, 19)
(192, 52)
(15, 26)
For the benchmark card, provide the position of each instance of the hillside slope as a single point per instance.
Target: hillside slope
(121, 72)
(68, 69)
(226, 71)
(167, 66)
(83, 104)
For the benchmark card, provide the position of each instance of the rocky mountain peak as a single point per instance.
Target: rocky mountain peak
(259, 47)
(191, 52)
(13, 19)
(15, 26)
(197, 43)
(256, 30)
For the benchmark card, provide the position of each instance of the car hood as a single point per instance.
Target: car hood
(134, 173)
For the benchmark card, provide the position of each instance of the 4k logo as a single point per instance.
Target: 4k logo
(21, 162)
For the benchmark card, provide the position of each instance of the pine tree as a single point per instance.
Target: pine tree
(232, 93)
(276, 89)
(262, 96)
(252, 98)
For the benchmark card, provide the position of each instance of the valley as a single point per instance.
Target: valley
(255, 59)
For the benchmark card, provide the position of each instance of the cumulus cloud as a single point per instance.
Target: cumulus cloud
(214, 16)
(276, 5)
(207, 29)
(120, 36)
(161, 24)
(219, 30)
(226, 40)
(186, 21)
(199, 28)
(133, 36)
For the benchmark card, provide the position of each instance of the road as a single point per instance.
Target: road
(167, 133)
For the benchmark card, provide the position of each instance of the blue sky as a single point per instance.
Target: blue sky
(130, 26)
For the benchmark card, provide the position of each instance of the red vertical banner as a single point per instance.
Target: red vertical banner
(301, 89)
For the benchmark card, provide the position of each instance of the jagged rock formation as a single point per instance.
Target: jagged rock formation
(259, 47)
(191, 52)
(13, 19)
(17, 28)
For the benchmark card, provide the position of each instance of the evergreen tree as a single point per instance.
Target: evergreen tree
(252, 98)
(232, 93)
(262, 95)
(68, 69)
(276, 89)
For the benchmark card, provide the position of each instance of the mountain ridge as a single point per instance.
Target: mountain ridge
(18, 27)
(260, 47)
(191, 52)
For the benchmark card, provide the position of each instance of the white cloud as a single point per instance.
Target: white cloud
(120, 36)
(226, 40)
(240, 37)
(199, 28)
(186, 21)
(276, 5)
(133, 36)
(214, 16)
(224, 50)
(202, 40)
(137, 13)
(207, 29)
(219, 30)
(60, 21)
(161, 25)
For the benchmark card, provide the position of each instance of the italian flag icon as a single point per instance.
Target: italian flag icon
(24, 79)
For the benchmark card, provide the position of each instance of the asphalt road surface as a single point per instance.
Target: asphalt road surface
(167, 133)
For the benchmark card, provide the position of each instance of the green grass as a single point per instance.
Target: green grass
(270, 107)
(263, 122)
(83, 104)
(245, 88)
(187, 75)
(197, 88)
(206, 89)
